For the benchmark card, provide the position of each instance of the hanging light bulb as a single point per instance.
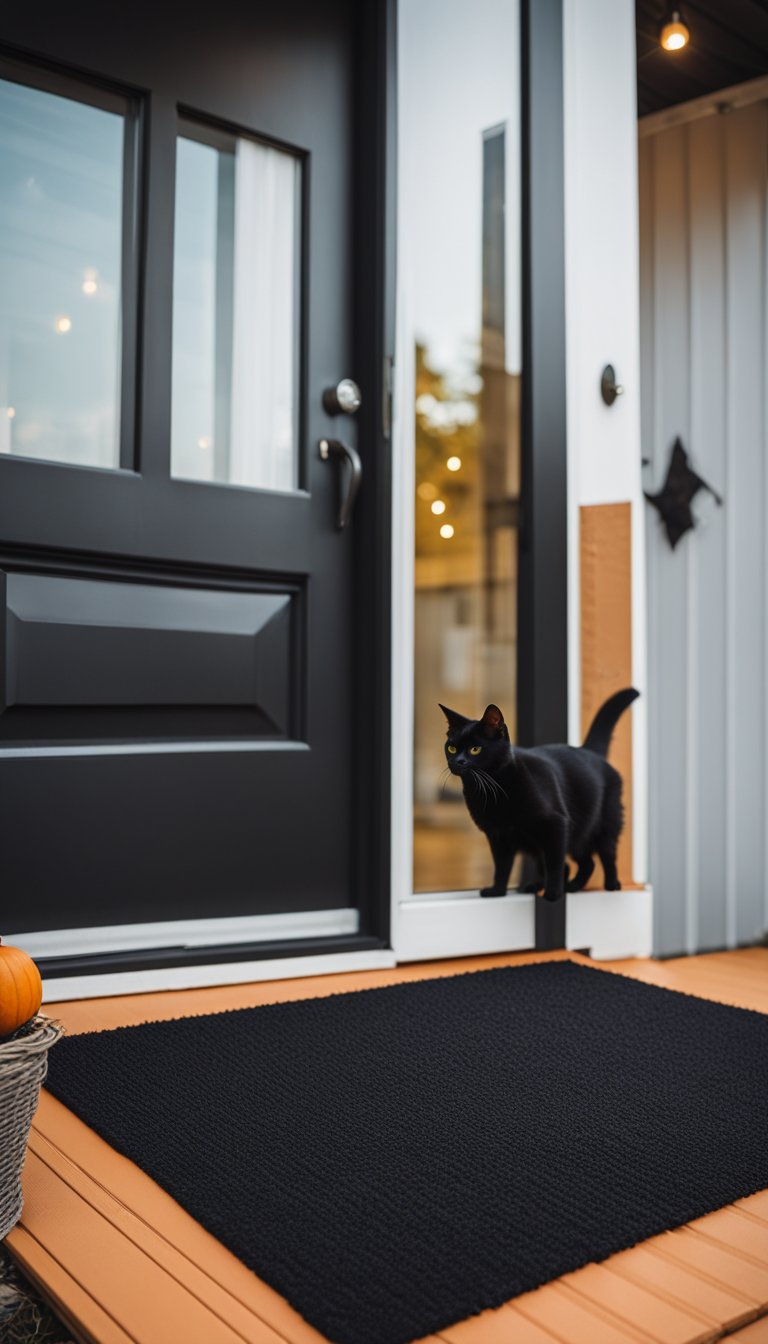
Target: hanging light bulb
(674, 33)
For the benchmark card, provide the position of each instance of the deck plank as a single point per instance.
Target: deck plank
(86, 1318)
(572, 1320)
(646, 1266)
(737, 1230)
(757, 1205)
(721, 1263)
(145, 1300)
(85, 1205)
(505, 1326)
(524, 1330)
(748, 989)
(754, 1334)
(631, 1302)
(737, 991)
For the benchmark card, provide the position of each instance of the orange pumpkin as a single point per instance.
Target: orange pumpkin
(21, 989)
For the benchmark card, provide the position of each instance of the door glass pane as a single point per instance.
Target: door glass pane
(61, 208)
(460, 251)
(235, 311)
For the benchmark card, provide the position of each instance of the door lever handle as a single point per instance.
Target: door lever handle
(335, 448)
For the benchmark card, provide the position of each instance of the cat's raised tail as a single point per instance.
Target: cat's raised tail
(598, 738)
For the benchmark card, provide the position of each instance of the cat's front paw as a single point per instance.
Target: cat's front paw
(553, 893)
(493, 891)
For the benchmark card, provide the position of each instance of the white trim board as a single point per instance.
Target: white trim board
(610, 924)
(72, 987)
(463, 924)
(182, 933)
(403, 595)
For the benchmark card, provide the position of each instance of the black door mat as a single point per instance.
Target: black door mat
(394, 1160)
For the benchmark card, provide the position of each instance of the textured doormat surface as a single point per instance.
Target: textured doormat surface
(397, 1159)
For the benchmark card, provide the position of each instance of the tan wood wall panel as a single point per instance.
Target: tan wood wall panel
(605, 546)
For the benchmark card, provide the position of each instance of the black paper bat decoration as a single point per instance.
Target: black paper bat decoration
(673, 500)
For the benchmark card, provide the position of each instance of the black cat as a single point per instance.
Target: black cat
(546, 802)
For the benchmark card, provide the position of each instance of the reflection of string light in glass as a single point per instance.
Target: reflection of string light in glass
(438, 506)
(63, 324)
(425, 403)
(11, 412)
(454, 464)
(204, 442)
(427, 490)
(89, 284)
(446, 531)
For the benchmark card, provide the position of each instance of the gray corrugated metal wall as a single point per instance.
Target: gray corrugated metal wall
(704, 349)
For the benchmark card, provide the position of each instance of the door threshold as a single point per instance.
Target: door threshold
(220, 932)
(612, 924)
(164, 956)
(63, 988)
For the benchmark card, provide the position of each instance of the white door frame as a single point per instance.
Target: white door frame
(609, 924)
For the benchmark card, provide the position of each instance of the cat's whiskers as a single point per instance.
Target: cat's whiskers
(477, 775)
(499, 791)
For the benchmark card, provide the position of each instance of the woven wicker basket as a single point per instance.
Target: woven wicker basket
(23, 1066)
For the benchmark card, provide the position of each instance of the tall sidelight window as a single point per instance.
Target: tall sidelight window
(66, 178)
(235, 311)
(460, 175)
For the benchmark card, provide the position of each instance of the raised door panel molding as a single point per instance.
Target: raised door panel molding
(97, 658)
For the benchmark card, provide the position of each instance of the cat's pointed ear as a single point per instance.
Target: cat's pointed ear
(493, 723)
(455, 720)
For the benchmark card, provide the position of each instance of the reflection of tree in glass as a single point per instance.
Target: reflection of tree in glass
(447, 426)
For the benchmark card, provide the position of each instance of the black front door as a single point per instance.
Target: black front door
(180, 246)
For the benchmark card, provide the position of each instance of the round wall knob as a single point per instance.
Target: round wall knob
(344, 398)
(609, 388)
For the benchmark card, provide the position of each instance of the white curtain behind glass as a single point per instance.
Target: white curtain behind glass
(263, 420)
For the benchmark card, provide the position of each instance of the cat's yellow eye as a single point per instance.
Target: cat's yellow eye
(475, 751)
(452, 750)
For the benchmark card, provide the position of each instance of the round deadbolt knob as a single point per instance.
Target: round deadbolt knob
(609, 388)
(343, 398)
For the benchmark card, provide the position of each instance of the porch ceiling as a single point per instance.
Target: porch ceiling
(729, 44)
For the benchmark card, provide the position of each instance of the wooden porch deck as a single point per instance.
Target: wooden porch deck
(122, 1263)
